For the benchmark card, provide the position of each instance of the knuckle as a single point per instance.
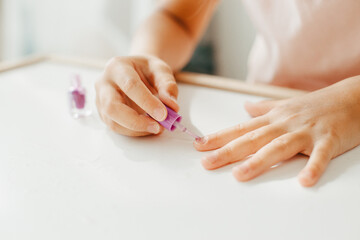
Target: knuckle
(113, 126)
(253, 165)
(100, 85)
(114, 61)
(227, 151)
(149, 103)
(333, 136)
(129, 84)
(276, 111)
(171, 85)
(135, 125)
(109, 107)
(215, 138)
(291, 117)
(322, 153)
(168, 85)
(162, 66)
(323, 148)
(172, 88)
(310, 123)
(281, 143)
(252, 137)
(239, 128)
(315, 169)
(112, 66)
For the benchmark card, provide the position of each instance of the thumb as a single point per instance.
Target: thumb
(261, 108)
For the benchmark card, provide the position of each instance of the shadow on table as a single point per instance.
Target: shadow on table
(291, 168)
(175, 150)
(171, 149)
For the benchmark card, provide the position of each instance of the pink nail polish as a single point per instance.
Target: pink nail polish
(77, 99)
(201, 140)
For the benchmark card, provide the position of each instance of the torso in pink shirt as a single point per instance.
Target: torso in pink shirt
(305, 44)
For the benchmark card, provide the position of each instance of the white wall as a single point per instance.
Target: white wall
(233, 34)
(11, 34)
(92, 28)
(103, 28)
(1, 29)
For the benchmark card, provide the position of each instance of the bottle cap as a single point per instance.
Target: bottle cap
(171, 119)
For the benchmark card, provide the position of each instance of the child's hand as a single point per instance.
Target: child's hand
(322, 124)
(131, 87)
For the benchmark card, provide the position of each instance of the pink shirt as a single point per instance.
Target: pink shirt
(305, 44)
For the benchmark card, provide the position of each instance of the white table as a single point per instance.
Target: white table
(62, 178)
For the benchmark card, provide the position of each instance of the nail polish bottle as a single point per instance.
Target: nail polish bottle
(77, 99)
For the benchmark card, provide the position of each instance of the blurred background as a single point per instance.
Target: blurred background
(104, 28)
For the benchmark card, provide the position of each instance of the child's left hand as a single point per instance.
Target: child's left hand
(322, 124)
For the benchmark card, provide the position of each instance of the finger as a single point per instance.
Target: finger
(280, 149)
(241, 147)
(221, 138)
(128, 80)
(113, 106)
(121, 130)
(261, 108)
(318, 161)
(142, 72)
(165, 83)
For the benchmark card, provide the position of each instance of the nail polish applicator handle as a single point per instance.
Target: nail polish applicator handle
(172, 122)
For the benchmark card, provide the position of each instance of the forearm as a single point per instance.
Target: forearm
(163, 37)
(173, 31)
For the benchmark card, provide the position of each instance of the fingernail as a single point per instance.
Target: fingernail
(201, 140)
(307, 179)
(206, 164)
(173, 98)
(154, 128)
(243, 168)
(159, 114)
(211, 158)
(307, 175)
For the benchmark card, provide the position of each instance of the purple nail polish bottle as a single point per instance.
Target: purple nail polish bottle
(77, 99)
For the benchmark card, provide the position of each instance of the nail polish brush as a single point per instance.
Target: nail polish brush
(172, 122)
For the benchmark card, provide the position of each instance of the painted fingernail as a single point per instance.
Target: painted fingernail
(154, 128)
(159, 114)
(201, 140)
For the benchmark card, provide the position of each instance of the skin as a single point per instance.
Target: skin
(318, 125)
(133, 89)
(139, 84)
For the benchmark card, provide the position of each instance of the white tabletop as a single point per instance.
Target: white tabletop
(62, 178)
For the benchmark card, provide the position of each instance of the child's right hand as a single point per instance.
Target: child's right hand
(132, 86)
